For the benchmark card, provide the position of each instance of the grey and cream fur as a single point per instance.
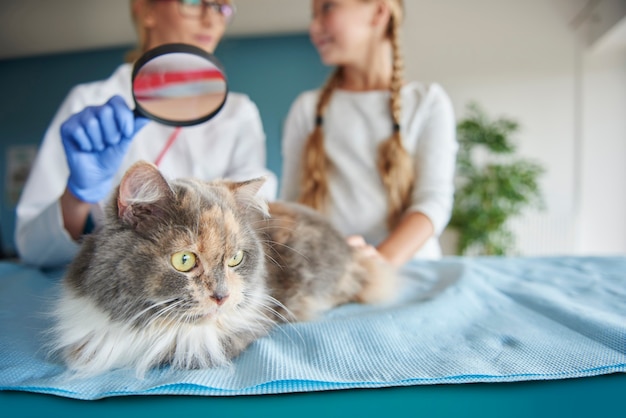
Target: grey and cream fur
(189, 273)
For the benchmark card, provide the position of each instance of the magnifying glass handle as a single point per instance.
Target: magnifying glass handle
(138, 113)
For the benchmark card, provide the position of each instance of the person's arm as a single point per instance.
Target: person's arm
(433, 192)
(406, 239)
(72, 171)
(75, 213)
(40, 237)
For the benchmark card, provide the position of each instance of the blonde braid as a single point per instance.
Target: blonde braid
(395, 164)
(314, 179)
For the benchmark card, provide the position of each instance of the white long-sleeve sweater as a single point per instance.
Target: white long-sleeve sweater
(355, 123)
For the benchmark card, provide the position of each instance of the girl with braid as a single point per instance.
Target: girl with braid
(374, 153)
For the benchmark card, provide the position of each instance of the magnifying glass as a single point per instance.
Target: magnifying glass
(178, 85)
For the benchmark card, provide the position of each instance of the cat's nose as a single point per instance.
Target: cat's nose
(220, 298)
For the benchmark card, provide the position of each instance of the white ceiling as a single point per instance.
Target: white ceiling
(33, 27)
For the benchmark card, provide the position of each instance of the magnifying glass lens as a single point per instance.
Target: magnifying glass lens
(178, 85)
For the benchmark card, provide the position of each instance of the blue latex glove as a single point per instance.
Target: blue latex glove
(96, 140)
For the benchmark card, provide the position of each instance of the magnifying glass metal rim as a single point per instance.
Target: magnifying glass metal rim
(173, 48)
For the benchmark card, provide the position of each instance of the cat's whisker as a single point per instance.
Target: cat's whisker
(263, 304)
(154, 305)
(264, 309)
(271, 226)
(269, 308)
(273, 260)
(266, 301)
(167, 312)
(268, 324)
(273, 300)
(286, 324)
(188, 318)
(164, 313)
(271, 242)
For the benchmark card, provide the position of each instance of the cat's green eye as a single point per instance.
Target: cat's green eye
(183, 261)
(236, 259)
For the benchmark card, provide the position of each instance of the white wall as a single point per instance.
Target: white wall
(603, 189)
(519, 59)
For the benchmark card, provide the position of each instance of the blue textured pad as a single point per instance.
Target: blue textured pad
(458, 320)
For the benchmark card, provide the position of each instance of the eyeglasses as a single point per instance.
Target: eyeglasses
(197, 8)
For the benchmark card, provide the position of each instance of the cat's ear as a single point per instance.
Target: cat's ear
(143, 192)
(245, 193)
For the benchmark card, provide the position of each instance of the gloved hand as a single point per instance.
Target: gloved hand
(95, 141)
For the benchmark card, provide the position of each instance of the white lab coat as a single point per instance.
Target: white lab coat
(355, 123)
(231, 145)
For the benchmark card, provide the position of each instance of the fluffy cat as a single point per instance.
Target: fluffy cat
(189, 273)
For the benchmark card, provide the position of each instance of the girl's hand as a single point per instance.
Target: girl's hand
(358, 242)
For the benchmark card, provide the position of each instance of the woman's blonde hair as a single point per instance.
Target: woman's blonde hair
(394, 162)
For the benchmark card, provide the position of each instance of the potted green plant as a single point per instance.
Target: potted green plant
(493, 184)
